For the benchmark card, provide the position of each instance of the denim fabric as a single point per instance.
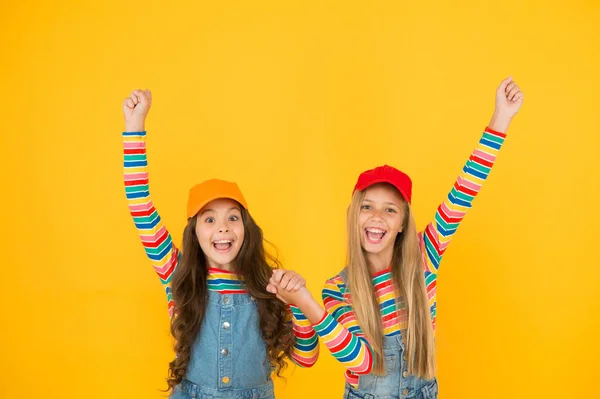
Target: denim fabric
(229, 357)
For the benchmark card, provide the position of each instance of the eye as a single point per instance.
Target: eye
(390, 210)
(234, 218)
(365, 207)
(209, 220)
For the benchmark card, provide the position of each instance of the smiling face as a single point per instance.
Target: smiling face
(381, 218)
(220, 232)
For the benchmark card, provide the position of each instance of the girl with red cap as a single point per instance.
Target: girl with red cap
(380, 310)
(230, 333)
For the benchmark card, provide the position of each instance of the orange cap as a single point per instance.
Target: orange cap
(201, 194)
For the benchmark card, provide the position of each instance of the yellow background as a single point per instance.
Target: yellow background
(293, 100)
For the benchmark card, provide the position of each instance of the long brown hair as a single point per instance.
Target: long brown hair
(190, 294)
(408, 277)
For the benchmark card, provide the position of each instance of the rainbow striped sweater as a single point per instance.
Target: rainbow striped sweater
(339, 329)
(164, 255)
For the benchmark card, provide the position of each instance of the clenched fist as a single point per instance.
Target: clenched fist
(509, 99)
(135, 110)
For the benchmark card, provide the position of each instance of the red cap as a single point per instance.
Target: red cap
(386, 174)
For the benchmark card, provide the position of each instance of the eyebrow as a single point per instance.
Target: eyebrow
(389, 203)
(212, 210)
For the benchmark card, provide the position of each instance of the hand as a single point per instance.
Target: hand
(135, 110)
(286, 284)
(509, 99)
(299, 298)
(290, 288)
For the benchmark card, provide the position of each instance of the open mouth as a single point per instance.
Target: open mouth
(222, 245)
(374, 235)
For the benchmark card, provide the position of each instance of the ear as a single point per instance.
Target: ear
(401, 228)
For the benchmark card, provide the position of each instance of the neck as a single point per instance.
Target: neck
(379, 261)
(226, 266)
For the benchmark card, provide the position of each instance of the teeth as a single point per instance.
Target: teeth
(222, 242)
(376, 231)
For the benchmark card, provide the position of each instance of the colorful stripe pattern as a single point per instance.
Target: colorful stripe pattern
(437, 235)
(339, 329)
(164, 255)
(156, 240)
(225, 282)
(342, 334)
(306, 347)
(386, 294)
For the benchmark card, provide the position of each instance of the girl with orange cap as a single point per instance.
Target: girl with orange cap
(230, 333)
(380, 310)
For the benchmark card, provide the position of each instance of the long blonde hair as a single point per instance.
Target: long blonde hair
(408, 277)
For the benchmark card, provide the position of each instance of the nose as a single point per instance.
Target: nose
(376, 214)
(223, 227)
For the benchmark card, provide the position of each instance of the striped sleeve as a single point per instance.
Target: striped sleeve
(340, 331)
(157, 241)
(306, 348)
(437, 235)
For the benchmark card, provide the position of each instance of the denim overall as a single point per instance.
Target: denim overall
(396, 383)
(229, 356)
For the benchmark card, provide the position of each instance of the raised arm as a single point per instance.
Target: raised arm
(157, 241)
(439, 232)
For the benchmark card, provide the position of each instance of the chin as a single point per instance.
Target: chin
(224, 260)
(374, 248)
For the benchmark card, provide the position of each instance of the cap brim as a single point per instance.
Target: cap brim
(202, 204)
(376, 181)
